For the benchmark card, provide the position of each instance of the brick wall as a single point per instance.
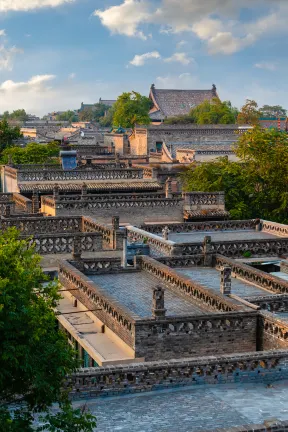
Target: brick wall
(194, 336)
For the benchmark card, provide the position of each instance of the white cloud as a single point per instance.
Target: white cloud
(37, 82)
(181, 44)
(125, 18)
(266, 65)
(226, 43)
(179, 57)
(213, 21)
(71, 76)
(45, 93)
(140, 60)
(7, 55)
(25, 5)
(2, 32)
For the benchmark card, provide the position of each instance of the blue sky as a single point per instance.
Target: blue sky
(55, 54)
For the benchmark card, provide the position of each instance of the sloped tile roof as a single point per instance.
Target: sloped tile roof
(178, 102)
(196, 214)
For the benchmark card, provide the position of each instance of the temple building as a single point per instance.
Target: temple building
(170, 103)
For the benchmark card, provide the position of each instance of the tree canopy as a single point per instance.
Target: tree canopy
(33, 153)
(274, 111)
(130, 109)
(19, 114)
(35, 356)
(96, 113)
(208, 112)
(249, 113)
(8, 134)
(67, 116)
(256, 186)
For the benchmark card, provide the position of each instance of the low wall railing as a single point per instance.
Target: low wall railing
(182, 285)
(188, 227)
(257, 277)
(45, 225)
(120, 379)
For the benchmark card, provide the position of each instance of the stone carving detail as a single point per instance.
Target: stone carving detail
(202, 226)
(158, 246)
(60, 175)
(275, 228)
(274, 327)
(93, 266)
(187, 261)
(271, 303)
(186, 287)
(47, 225)
(258, 248)
(64, 243)
(201, 198)
(155, 375)
(258, 277)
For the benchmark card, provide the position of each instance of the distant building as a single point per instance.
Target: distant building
(171, 103)
(91, 107)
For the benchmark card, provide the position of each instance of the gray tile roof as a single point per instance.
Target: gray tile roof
(178, 102)
(108, 102)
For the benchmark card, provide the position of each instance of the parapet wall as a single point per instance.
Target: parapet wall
(264, 367)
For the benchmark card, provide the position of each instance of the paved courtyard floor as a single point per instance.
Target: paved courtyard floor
(198, 237)
(191, 409)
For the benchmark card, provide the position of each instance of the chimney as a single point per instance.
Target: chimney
(35, 202)
(158, 308)
(225, 283)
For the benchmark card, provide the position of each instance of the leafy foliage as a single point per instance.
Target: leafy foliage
(208, 112)
(19, 115)
(96, 113)
(33, 153)
(249, 113)
(268, 111)
(35, 356)
(8, 134)
(67, 116)
(256, 186)
(130, 109)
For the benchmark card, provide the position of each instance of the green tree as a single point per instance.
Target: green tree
(249, 113)
(274, 111)
(19, 114)
(107, 120)
(130, 109)
(67, 116)
(86, 115)
(8, 134)
(208, 112)
(33, 153)
(256, 186)
(35, 356)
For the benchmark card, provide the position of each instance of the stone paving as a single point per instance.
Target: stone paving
(210, 278)
(193, 409)
(198, 237)
(135, 291)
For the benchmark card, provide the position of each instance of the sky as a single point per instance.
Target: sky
(55, 54)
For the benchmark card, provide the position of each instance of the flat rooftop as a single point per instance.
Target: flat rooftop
(198, 237)
(191, 409)
(135, 292)
(210, 278)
